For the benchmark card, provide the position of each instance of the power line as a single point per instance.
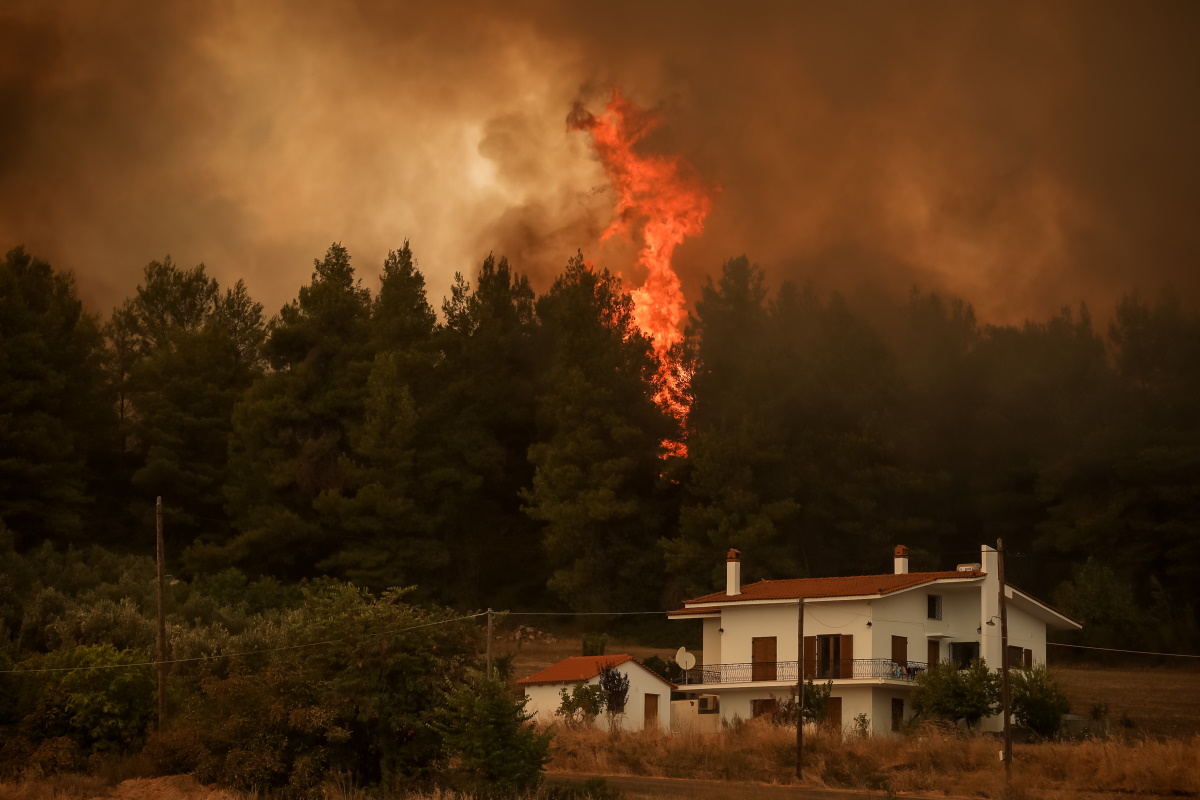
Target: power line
(245, 652)
(576, 613)
(1115, 650)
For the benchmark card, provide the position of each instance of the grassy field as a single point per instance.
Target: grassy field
(933, 762)
(1158, 701)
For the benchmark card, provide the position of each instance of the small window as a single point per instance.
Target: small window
(1016, 656)
(935, 606)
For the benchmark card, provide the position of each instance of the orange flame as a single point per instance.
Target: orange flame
(654, 190)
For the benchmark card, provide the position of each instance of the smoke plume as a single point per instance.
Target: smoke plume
(1021, 155)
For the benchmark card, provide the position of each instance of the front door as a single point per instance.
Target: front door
(651, 712)
(833, 712)
(934, 654)
(763, 654)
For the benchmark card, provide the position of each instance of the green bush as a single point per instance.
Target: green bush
(363, 705)
(261, 730)
(1038, 702)
(97, 703)
(494, 750)
(816, 703)
(947, 693)
(581, 706)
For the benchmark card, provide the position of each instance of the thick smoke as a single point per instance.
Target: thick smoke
(1024, 156)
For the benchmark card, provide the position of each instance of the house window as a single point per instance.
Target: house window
(1019, 657)
(963, 653)
(897, 713)
(767, 707)
(935, 606)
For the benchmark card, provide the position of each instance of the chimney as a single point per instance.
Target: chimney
(733, 573)
(901, 560)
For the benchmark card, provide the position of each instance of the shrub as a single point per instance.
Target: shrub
(816, 702)
(581, 706)
(99, 704)
(493, 748)
(361, 705)
(1038, 702)
(948, 693)
(616, 689)
(254, 730)
(594, 644)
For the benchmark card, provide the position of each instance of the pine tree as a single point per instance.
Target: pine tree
(294, 429)
(54, 415)
(181, 353)
(596, 482)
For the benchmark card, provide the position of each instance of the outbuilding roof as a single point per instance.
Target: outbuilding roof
(576, 668)
(850, 586)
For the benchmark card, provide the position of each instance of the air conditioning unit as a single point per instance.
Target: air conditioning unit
(969, 567)
(709, 703)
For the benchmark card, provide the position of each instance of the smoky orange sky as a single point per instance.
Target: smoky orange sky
(1022, 155)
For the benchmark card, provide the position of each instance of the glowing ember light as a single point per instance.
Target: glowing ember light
(650, 189)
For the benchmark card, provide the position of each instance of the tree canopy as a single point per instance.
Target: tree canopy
(509, 450)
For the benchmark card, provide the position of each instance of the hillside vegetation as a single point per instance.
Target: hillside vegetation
(508, 452)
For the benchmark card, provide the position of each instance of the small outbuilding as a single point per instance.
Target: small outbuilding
(648, 704)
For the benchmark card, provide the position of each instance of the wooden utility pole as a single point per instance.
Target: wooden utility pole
(489, 645)
(162, 621)
(800, 690)
(1005, 697)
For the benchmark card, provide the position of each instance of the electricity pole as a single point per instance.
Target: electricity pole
(1004, 665)
(489, 645)
(162, 621)
(800, 690)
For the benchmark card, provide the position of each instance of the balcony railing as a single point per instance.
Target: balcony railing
(785, 671)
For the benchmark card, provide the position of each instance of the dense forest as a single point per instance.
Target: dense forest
(508, 452)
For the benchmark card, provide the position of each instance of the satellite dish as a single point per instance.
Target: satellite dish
(684, 659)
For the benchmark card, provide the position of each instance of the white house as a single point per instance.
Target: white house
(648, 704)
(871, 635)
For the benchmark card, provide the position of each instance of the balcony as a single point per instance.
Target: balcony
(785, 671)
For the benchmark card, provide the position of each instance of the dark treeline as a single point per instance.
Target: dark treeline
(507, 452)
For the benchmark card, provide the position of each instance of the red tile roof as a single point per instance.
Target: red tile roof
(576, 668)
(850, 586)
(696, 611)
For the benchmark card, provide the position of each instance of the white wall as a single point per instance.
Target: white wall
(712, 642)
(1024, 631)
(544, 700)
(907, 614)
(745, 622)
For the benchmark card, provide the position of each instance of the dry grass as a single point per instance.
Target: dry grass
(1159, 701)
(931, 762)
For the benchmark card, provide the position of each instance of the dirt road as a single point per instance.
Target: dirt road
(635, 786)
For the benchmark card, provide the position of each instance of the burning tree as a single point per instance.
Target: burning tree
(671, 205)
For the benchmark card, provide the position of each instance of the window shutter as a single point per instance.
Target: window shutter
(847, 666)
(810, 656)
